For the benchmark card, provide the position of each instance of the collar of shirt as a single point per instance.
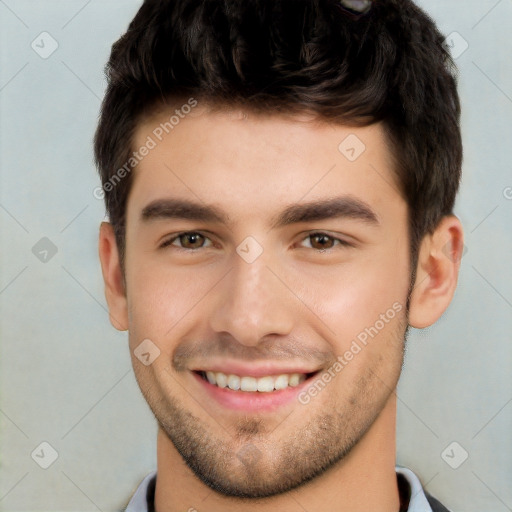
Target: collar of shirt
(142, 500)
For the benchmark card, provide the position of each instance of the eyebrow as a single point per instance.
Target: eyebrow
(183, 209)
(323, 209)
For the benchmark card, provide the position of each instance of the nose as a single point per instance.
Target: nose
(253, 302)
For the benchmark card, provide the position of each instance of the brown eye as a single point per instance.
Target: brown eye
(188, 240)
(321, 241)
(191, 240)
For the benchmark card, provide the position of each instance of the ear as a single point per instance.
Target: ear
(115, 292)
(436, 273)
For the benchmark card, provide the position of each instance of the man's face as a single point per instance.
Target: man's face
(259, 290)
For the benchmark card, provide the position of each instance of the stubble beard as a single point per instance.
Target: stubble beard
(251, 461)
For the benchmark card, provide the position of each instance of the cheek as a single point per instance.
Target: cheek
(353, 297)
(160, 299)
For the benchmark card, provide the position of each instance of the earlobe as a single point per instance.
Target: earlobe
(115, 292)
(437, 272)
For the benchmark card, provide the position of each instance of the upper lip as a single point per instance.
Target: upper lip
(254, 369)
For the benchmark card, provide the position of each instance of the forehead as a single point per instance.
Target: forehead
(247, 159)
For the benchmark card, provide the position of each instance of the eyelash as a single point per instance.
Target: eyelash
(340, 241)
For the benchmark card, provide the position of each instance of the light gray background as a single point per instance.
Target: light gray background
(65, 372)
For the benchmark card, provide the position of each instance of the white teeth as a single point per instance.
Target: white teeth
(222, 380)
(263, 384)
(233, 382)
(266, 384)
(248, 384)
(294, 380)
(281, 382)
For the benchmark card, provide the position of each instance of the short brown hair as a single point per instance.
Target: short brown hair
(352, 66)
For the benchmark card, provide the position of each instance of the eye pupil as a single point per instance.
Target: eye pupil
(195, 239)
(324, 241)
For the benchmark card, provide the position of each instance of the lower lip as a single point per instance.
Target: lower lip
(250, 401)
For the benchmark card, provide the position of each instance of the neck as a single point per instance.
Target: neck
(364, 480)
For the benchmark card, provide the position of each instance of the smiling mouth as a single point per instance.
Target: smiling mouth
(265, 384)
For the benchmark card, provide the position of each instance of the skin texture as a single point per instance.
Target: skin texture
(302, 302)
